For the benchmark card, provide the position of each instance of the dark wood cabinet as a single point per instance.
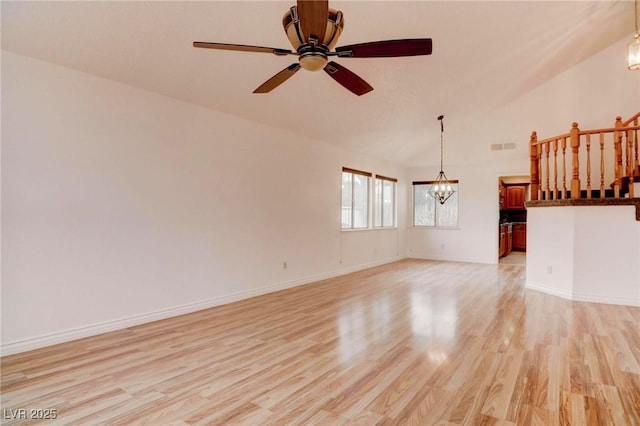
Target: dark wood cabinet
(515, 196)
(520, 237)
(505, 240)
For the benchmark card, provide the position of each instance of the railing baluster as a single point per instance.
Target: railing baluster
(628, 152)
(547, 148)
(540, 151)
(617, 143)
(534, 167)
(555, 169)
(601, 165)
(574, 135)
(630, 161)
(635, 147)
(564, 168)
(588, 166)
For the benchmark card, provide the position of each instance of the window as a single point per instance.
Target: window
(385, 202)
(428, 212)
(355, 199)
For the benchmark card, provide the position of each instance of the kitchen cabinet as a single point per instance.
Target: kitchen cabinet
(515, 196)
(520, 237)
(504, 240)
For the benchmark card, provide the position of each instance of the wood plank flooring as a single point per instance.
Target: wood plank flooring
(410, 343)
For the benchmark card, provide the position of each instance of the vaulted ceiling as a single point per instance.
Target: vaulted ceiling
(485, 54)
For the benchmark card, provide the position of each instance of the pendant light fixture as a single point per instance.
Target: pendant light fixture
(634, 46)
(441, 189)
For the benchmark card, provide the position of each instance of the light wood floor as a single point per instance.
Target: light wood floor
(515, 258)
(414, 342)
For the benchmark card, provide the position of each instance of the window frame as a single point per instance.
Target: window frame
(436, 204)
(394, 211)
(368, 175)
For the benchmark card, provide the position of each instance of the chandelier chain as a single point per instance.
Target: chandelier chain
(441, 143)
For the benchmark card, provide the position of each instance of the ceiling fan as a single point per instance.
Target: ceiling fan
(313, 30)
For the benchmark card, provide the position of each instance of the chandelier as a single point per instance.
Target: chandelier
(634, 46)
(441, 189)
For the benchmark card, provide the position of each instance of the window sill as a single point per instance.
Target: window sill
(439, 228)
(385, 228)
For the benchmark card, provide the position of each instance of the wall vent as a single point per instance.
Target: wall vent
(502, 146)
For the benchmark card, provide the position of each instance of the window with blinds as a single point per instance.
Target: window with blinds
(355, 199)
(385, 202)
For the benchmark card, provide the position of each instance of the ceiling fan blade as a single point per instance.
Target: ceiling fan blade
(347, 78)
(313, 18)
(278, 79)
(387, 48)
(243, 48)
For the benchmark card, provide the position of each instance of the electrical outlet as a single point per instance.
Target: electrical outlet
(549, 269)
(284, 265)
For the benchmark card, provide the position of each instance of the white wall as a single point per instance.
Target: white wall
(476, 237)
(550, 246)
(606, 268)
(122, 206)
(585, 253)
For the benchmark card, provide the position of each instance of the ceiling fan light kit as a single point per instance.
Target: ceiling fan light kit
(313, 29)
(334, 27)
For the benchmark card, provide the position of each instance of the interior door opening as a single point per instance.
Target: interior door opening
(512, 218)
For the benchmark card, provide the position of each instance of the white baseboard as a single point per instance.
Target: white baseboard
(583, 297)
(118, 324)
(449, 259)
(549, 290)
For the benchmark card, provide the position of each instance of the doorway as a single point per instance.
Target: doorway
(512, 219)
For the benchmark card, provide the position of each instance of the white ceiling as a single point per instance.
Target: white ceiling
(484, 55)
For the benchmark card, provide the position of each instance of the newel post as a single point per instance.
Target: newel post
(617, 144)
(574, 136)
(534, 170)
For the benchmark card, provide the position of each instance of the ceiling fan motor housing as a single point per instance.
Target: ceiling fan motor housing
(313, 57)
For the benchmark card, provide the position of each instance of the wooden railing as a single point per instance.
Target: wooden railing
(549, 162)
